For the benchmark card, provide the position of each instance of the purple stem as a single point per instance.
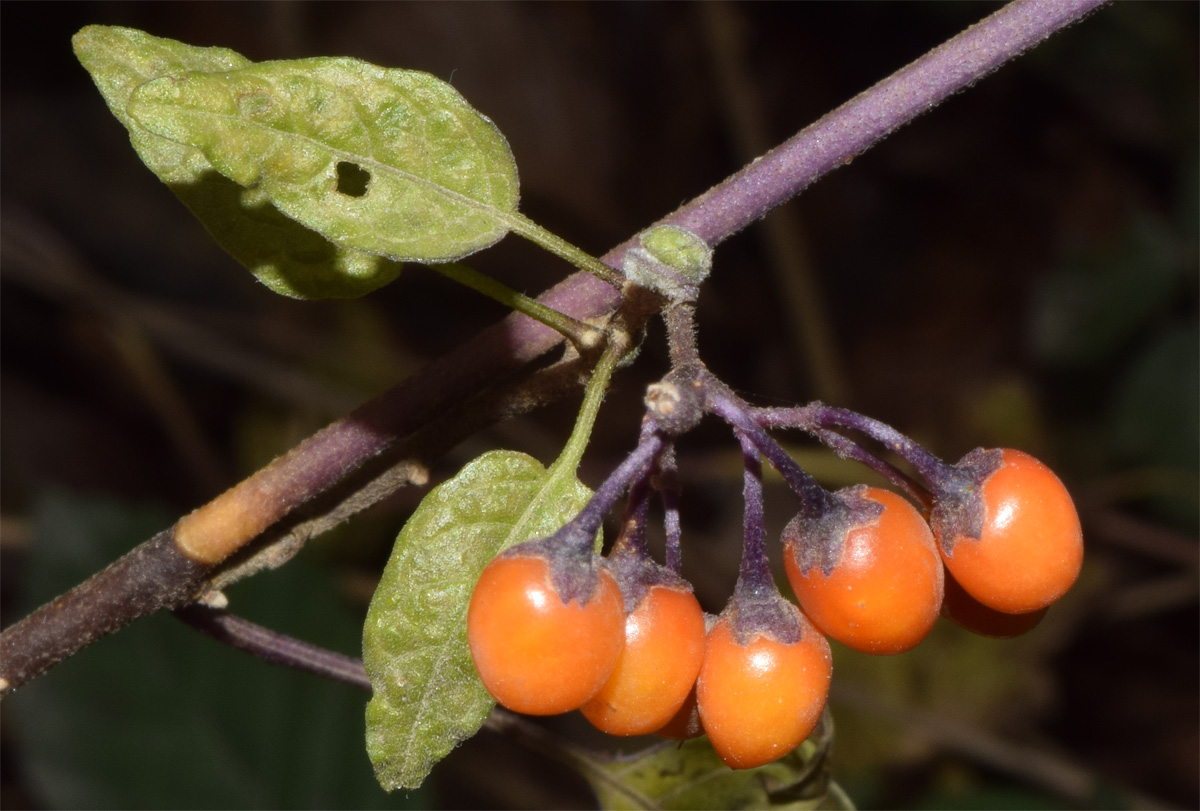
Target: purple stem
(848, 449)
(583, 527)
(632, 538)
(331, 455)
(336, 451)
(869, 117)
(819, 415)
(668, 488)
(844, 447)
(274, 647)
(755, 575)
(723, 210)
(814, 500)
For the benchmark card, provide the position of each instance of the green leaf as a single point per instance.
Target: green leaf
(427, 695)
(120, 59)
(691, 775)
(391, 162)
(284, 255)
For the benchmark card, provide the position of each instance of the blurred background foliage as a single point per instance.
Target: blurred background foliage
(1017, 268)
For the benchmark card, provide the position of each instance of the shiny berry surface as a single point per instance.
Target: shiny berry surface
(664, 645)
(685, 724)
(1031, 547)
(884, 594)
(760, 699)
(534, 653)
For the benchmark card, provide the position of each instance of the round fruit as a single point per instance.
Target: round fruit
(965, 611)
(664, 645)
(759, 698)
(1030, 547)
(535, 653)
(882, 590)
(685, 725)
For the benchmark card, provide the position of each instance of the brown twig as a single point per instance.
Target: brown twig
(274, 647)
(157, 575)
(170, 568)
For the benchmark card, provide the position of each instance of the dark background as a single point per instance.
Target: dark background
(1018, 267)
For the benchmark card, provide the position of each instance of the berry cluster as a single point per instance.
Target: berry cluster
(553, 627)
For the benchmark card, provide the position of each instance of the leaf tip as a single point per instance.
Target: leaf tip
(86, 39)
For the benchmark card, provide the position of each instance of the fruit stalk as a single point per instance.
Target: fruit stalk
(720, 401)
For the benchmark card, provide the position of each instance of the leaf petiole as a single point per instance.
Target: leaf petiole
(530, 230)
(597, 387)
(584, 336)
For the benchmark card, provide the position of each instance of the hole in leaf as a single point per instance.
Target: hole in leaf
(352, 179)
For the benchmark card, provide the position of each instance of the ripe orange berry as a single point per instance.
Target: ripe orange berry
(877, 585)
(760, 697)
(685, 725)
(535, 653)
(965, 611)
(664, 645)
(1029, 546)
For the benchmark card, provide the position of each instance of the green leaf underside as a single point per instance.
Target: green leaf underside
(302, 237)
(691, 775)
(284, 255)
(120, 59)
(441, 176)
(281, 253)
(427, 696)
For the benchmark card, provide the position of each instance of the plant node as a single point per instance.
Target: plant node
(670, 260)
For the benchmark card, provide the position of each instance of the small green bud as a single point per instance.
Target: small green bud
(680, 250)
(671, 260)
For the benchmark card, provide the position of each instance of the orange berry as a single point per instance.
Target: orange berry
(965, 611)
(760, 697)
(1029, 548)
(535, 653)
(664, 645)
(880, 587)
(685, 724)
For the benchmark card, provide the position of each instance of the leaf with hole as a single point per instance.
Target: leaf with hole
(283, 254)
(427, 696)
(391, 162)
